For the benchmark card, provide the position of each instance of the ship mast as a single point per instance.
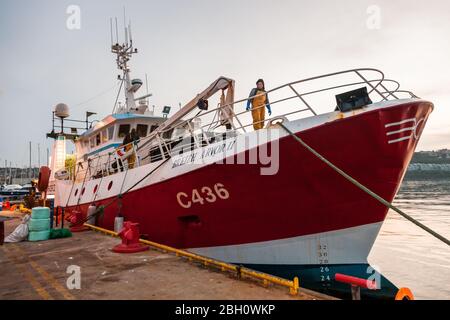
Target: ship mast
(123, 53)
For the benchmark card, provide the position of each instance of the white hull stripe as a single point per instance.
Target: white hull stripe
(400, 139)
(400, 131)
(346, 246)
(413, 130)
(400, 123)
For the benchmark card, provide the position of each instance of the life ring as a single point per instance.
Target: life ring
(44, 177)
(125, 152)
(121, 152)
(404, 294)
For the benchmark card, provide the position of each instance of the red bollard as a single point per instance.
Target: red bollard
(130, 239)
(356, 284)
(77, 222)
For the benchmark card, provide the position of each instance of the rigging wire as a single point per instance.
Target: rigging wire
(117, 97)
(97, 95)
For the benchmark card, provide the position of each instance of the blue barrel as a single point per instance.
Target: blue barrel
(1, 203)
(39, 224)
(39, 235)
(40, 213)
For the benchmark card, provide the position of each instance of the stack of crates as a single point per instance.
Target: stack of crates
(39, 224)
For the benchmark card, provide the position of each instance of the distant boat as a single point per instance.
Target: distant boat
(15, 191)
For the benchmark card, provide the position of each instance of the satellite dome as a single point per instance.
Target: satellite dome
(135, 85)
(62, 110)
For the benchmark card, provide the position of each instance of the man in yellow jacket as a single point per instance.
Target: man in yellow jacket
(259, 99)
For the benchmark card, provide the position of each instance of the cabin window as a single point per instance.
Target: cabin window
(141, 130)
(97, 139)
(153, 128)
(111, 133)
(167, 134)
(123, 130)
(104, 136)
(92, 142)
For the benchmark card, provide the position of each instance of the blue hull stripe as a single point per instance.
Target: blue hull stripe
(113, 145)
(321, 279)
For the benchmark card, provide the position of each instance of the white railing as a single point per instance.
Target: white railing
(205, 126)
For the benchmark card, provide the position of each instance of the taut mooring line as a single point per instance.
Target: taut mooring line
(365, 189)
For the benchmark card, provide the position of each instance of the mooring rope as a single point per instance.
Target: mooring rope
(365, 189)
(100, 210)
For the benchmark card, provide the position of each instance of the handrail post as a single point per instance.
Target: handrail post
(303, 100)
(108, 164)
(193, 135)
(160, 147)
(136, 158)
(63, 211)
(388, 91)
(372, 86)
(233, 115)
(168, 148)
(205, 137)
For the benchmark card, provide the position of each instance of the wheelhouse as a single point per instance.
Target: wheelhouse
(109, 133)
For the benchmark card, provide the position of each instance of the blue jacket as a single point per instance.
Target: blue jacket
(253, 93)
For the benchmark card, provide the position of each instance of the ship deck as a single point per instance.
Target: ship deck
(39, 270)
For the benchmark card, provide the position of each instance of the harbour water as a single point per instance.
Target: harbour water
(407, 255)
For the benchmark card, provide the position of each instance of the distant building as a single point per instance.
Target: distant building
(432, 157)
(429, 167)
(17, 175)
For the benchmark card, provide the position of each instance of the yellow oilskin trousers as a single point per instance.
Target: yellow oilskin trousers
(132, 158)
(259, 110)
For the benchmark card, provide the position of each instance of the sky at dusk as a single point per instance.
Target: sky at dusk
(185, 45)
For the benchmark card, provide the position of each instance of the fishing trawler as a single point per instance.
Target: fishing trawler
(204, 180)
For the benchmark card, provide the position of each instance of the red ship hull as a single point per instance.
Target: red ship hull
(305, 197)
